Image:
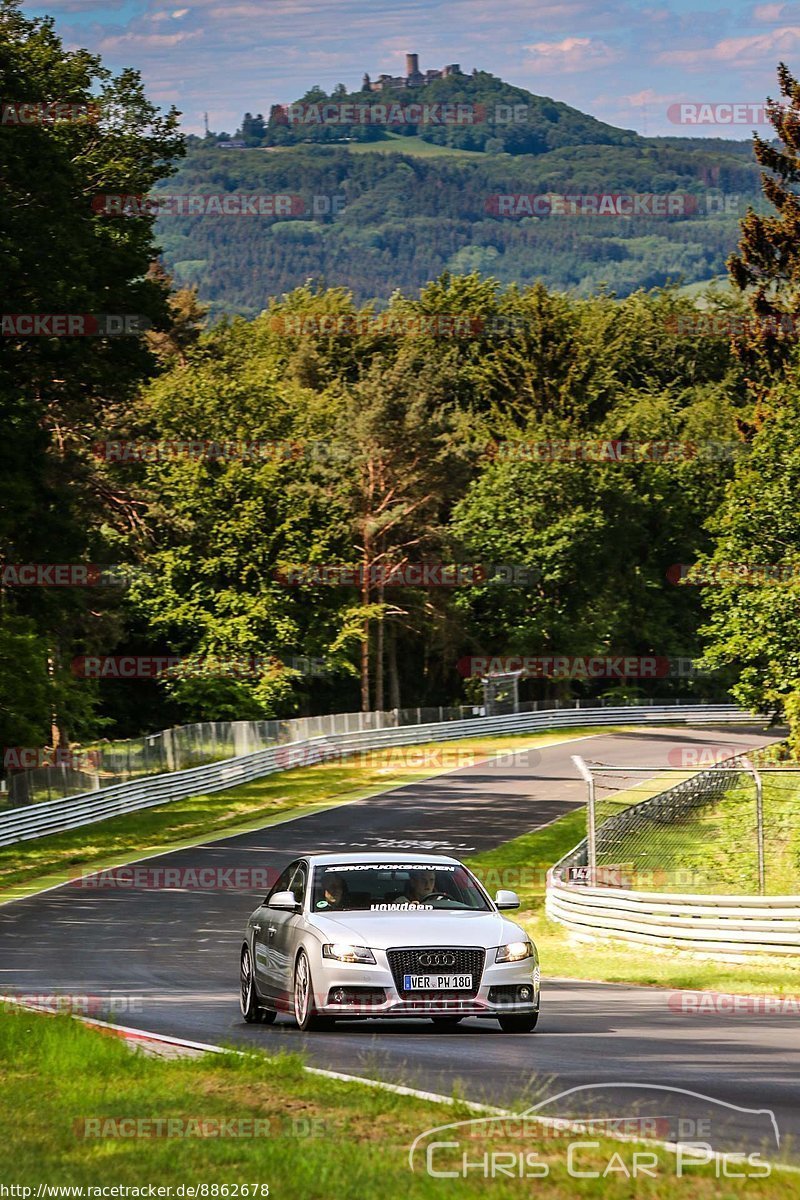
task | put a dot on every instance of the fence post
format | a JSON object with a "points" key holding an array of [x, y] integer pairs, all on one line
{"points": [[591, 850], [759, 823], [241, 737]]}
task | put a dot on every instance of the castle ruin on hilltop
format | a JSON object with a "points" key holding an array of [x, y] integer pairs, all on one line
{"points": [[412, 78]]}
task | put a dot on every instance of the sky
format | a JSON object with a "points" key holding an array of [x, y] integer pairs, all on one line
{"points": [[624, 62]]}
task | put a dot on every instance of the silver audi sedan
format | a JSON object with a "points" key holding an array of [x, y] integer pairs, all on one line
{"points": [[366, 936]]}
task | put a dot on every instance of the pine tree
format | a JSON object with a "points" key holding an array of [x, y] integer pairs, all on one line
{"points": [[767, 265]]}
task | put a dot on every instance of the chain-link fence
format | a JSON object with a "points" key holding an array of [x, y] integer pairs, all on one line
{"points": [[732, 828], [101, 764], [79, 769]]}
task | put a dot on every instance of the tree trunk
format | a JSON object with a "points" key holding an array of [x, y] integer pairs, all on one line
{"points": [[379, 688], [365, 636], [394, 678]]}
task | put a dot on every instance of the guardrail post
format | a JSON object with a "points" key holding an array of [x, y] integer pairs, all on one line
{"points": [[759, 823], [591, 849]]}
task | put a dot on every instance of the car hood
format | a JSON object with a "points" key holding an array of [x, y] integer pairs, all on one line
{"points": [[381, 930]]}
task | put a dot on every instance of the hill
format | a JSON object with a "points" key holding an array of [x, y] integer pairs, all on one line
{"points": [[476, 112], [377, 209]]}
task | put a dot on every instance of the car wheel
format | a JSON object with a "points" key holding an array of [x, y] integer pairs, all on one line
{"points": [[305, 1013], [524, 1024], [248, 1000], [447, 1022]]}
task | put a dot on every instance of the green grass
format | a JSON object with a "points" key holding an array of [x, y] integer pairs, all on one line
{"points": [[318, 1139], [395, 143], [44, 862], [521, 864]]}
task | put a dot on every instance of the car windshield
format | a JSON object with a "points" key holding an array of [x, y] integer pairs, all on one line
{"points": [[395, 886]]}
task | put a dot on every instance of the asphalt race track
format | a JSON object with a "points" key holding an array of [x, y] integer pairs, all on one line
{"points": [[173, 954]]}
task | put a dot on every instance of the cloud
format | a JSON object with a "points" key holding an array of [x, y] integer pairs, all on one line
{"points": [[168, 16], [762, 49], [647, 96], [775, 14], [54, 7], [571, 54], [151, 41]]}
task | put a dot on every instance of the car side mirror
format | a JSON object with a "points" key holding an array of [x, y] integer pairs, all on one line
{"points": [[285, 900], [506, 899]]}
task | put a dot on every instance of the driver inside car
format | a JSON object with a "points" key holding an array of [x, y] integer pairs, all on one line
{"points": [[421, 885], [334, 891]]}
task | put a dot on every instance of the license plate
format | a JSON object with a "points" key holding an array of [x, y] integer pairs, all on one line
{"points": [[437, 983]]}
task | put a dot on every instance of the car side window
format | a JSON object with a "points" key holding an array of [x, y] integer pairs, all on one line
{"points": [[282, 882], [298, 883]]}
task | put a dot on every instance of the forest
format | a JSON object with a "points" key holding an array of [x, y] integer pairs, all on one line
{"points": [[333, 501]]}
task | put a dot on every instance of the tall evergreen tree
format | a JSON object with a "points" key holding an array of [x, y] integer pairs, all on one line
{"points": [[767, 265]]}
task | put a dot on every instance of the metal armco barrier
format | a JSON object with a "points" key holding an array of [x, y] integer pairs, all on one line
{"points": [[55, 816], [706, 924]]}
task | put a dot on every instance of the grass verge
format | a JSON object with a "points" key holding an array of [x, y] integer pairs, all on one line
{"points": [[66, 1088], [522, 864], [27, 867]]}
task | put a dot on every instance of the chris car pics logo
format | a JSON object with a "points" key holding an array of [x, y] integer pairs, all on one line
{"points": [[612, 1131]]}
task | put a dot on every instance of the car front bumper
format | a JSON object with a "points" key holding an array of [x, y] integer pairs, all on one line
{"points": [[359, 991]]}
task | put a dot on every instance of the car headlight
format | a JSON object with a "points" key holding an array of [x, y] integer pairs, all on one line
{"points": [[344, 952], [514, 952]]}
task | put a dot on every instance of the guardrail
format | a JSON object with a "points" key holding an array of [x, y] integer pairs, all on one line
{"points": [[724, 925], [56, 816]]}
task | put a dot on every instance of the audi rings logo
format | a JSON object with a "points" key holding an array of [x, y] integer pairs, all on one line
{"points": [[442, 959]]}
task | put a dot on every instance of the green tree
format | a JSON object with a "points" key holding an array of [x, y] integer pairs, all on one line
{"points": [[752, 578], [63, 252], [767, 266]]}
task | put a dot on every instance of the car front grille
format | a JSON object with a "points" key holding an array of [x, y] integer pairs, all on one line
{"points": [[466, 961]]}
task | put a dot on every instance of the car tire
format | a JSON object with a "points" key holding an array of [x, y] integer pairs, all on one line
{"points": [[250, 1009], [447, 1022], [520, 1024], [305, 1012]]}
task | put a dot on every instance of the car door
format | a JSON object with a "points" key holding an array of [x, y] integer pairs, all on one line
{"points": [[287, 926], [263, 925]]}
